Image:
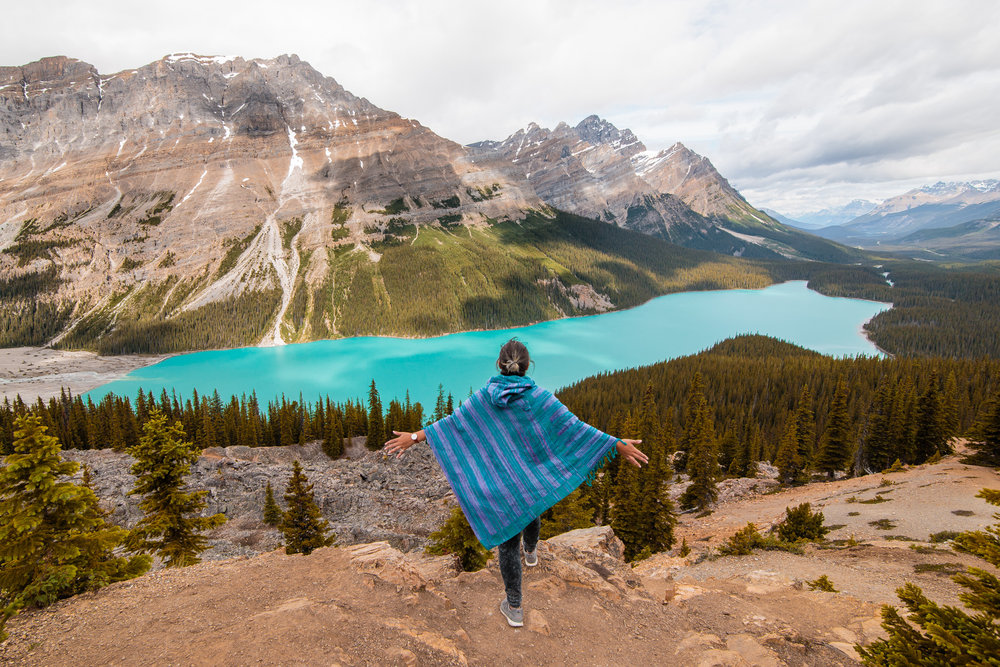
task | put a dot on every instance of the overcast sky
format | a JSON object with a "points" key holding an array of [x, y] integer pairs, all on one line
{"points": [[799, 104]]}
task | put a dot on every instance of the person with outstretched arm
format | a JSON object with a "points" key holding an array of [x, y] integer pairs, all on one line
{"points": [[510, 452]]}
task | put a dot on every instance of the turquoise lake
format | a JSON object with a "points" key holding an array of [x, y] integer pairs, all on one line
{"points": [[563, 351]]}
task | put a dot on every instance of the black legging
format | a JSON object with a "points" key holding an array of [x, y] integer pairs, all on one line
{"points": [[510, 560]]}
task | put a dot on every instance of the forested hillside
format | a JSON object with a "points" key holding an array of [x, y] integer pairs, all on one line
{"points": [[937, 311], [757, 386]]}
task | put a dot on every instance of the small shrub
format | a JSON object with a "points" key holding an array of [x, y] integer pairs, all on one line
{"points": [[886, 482], [901, 538], [897, 466], [939, 568], [455, 536], [823, 583], [685, 549], [743, 542], [748, 538], [853, 513], [943, 536], [934, 458], [883, 524], [801, 523], [924, 549], [879, 498], [852, 499]]}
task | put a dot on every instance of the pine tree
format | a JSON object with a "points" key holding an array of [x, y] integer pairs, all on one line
{"points": [[837, 447], [456, 537], [703, 458], [439, 407], [626, 511], [54, 539], [272, 512], [805, 427], [929, 434], [570, 513], [876, 450], [376, 424], [947, 635], [949, 405], [170, 526], [333, 434], [302, 524], [986, 433], [788, 461]]}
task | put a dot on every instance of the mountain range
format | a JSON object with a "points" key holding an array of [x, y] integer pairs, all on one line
{"points": [[214, 201], [826, 217], [960, 207]]}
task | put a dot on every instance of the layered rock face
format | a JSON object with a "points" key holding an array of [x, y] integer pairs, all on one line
{"points": [[599, 171], [154, 175]]}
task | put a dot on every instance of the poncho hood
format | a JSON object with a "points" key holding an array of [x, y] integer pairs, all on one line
{"points": [[505, 389]]}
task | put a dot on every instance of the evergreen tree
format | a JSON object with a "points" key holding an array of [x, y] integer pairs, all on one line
{"points": [[747, 454], [439, 405], [703, 461], [728, 446], [456, 537], [947, 635], [170, 526], [54, 539], [333, 433], [805, 427], [570, 513], [929, 434], [376, 424], [876, 451], [837, 447], [272, 512], [986, 433], [788, 461], [626, 511], [949, 405], [303, 524]]}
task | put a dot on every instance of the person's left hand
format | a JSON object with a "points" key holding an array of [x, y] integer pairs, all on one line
{"points": [[631, 453]]}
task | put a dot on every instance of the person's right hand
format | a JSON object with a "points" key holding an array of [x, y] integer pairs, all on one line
{"points": [[630, 453]]}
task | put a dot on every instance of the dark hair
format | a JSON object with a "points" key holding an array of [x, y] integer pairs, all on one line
{"points": [[513, 359]]}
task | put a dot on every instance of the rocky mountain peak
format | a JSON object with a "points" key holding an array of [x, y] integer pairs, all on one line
{"points": [[596, 130]]}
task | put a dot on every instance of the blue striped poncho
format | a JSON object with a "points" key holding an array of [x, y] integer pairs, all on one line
{"points": [[511, 451]]}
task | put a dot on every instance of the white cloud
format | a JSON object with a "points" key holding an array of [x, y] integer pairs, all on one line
{"points": [[799, 104]]}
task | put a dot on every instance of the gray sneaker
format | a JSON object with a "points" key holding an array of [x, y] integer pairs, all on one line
{"points": [[515, 617], [531, 557]]}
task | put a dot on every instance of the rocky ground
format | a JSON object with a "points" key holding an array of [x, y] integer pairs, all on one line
{"points": [[363, 496], [370, 603], [41, 372]]}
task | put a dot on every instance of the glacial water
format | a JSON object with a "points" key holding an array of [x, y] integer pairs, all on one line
{"points": [[563, 351]]}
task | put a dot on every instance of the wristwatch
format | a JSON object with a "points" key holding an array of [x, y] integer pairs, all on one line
{"points": [[413, 437]]}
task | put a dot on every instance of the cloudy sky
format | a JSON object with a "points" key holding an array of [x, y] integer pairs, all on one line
{"points": [[800, 104]]}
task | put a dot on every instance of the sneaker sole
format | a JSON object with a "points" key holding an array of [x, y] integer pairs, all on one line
{"points": [[511, 622]]}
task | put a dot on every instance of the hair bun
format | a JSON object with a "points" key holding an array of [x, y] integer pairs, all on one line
{"points": [[512, 366]]}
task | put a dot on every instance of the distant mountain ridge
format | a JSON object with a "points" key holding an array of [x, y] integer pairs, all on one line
{"points": [[826, 217], [938, 205]]}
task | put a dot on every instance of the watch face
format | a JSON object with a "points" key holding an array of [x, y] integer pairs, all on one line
{"points": [[413, 436]]}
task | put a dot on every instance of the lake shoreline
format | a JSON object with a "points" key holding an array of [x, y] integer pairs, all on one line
{"points": [[38, 372], [42, 372]]}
